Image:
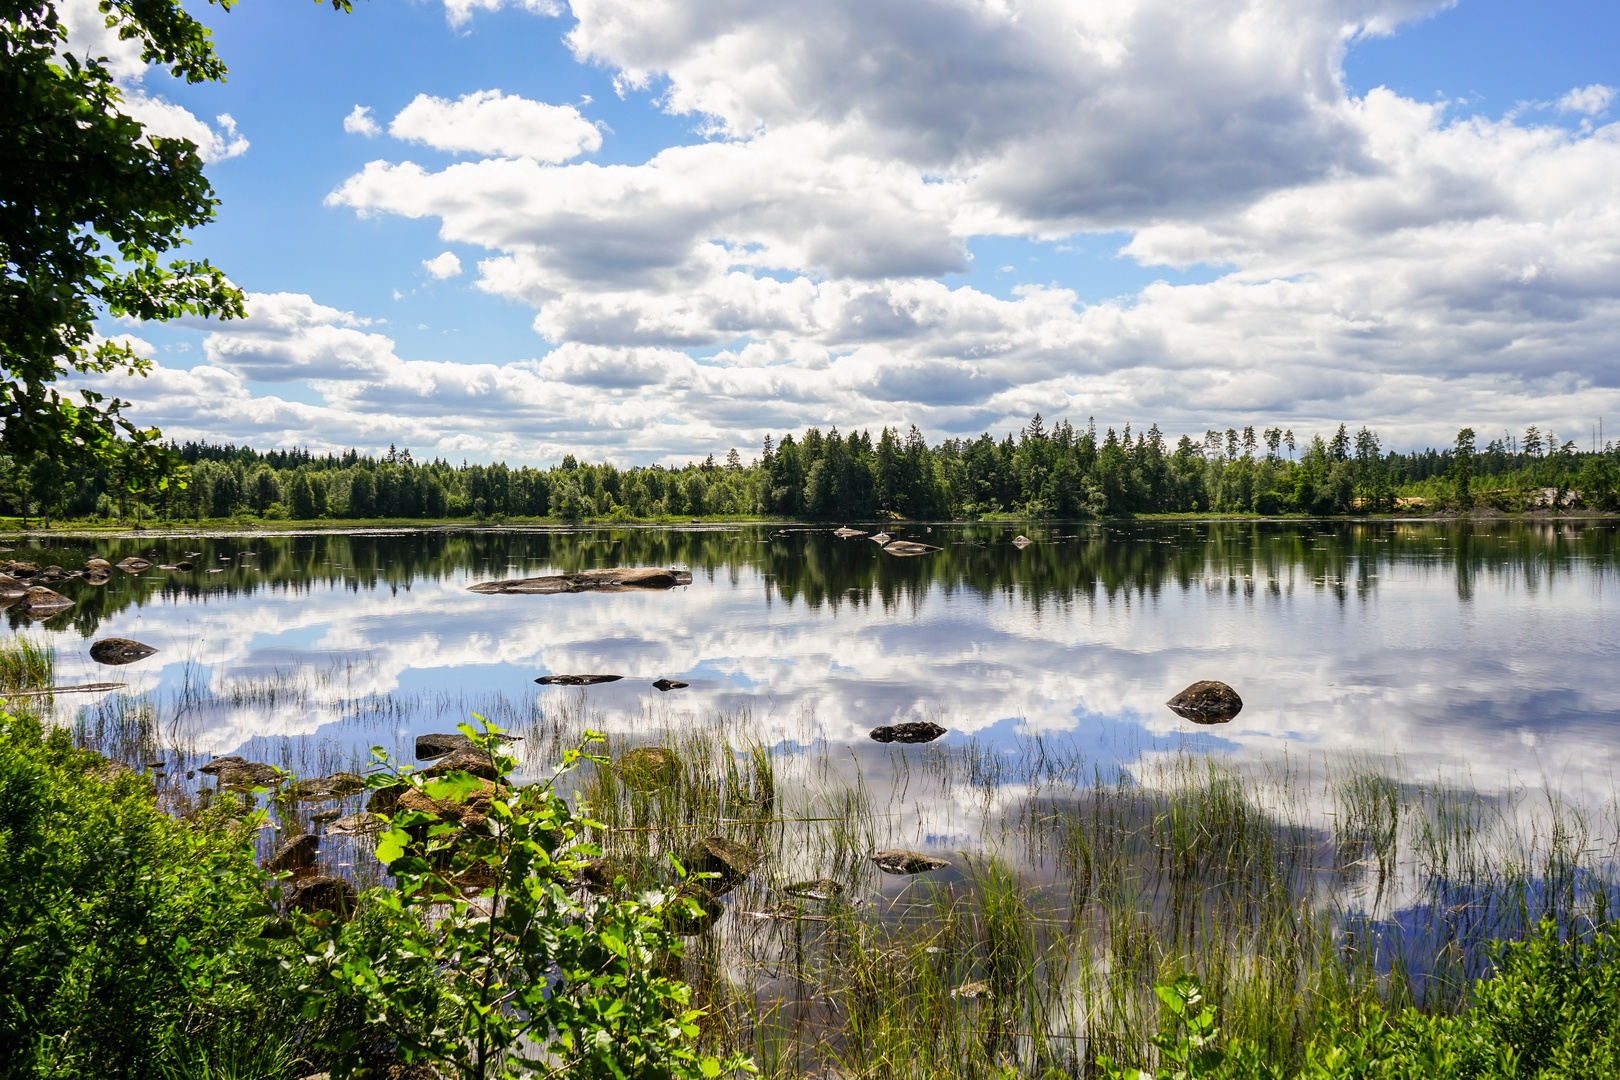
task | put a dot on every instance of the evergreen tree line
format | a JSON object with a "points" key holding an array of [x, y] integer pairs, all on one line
{"points": [[1046, 471]]}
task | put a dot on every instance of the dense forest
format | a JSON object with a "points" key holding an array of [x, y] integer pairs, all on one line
{"points": [[1046, 471]]}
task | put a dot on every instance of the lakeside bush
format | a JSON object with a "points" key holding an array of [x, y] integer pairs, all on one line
{"points": [[122, 930], [137, 945]]}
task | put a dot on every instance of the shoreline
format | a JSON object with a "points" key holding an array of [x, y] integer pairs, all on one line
{"points": [[10, 529]]}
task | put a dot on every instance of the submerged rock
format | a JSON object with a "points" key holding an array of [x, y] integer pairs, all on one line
{"points": [[325, 817], [118, 650], [336, 786], [470, 811], [846, 533], [693, 910], [881, 538], [322, 892], [648, 768], [296, 854], [899, 861], [433, 746], [185, 565], [19, 568], [1021, 541], [437, 745], [1207, 702], [384, 800], [668, 684], [716, 855], [576, 680], [246, 774], [95, 565], [220, 763], [469, 759], [819, 889], [134, 564], [913, 731], [978, 989], [907, 547], [614, 579], [597, 874], [355, 824]]}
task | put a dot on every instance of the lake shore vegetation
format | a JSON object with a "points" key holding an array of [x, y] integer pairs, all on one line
{"points": [[1059, 472]]}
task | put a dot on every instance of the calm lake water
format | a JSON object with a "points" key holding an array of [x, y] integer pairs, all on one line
{"points": [[1489, 646], [1425, 761]]}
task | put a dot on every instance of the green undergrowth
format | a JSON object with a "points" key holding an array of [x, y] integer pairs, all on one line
{"points": [[1549, 1011]]}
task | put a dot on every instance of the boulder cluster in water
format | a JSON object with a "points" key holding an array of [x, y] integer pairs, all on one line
{"points": [[26, 584]]}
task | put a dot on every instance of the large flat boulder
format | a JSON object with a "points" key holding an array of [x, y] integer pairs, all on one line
{"points": [[614, 579]]}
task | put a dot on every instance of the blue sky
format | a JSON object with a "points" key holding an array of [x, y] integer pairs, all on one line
{"points": [[950, 186]]}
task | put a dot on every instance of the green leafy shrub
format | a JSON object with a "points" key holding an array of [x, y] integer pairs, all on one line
{"points": [[494, 962], [120, 928]]}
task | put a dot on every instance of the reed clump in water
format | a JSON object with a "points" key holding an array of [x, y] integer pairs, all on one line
{"points": [[26, 665]]}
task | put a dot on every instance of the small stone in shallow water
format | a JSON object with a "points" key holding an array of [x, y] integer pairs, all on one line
{"points": [[322, 893], [973, 990], [470, 760], [1021, 541], [819, 889], [323, 816], [116, 650], [668, 684], [716, 855], [846, 533], [296, 854], [355, 824], [913, 731], [39, 602], [898, 861], [576, 680], [907, 547], [1207, 702]]}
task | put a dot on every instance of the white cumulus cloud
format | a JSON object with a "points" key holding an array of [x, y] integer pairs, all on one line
{"points": [[1590, 100], [491, 123], [442, 266], [164, 118], [460, 11], [359, 122]]}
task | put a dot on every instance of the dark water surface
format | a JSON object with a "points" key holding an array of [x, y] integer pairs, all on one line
{"points": [[1490, 645]]}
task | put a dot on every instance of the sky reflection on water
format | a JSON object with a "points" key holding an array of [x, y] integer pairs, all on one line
{"points": [[1487, 645]]}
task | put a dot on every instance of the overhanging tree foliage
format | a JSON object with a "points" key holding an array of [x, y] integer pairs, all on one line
{"points": [[91, 206]]}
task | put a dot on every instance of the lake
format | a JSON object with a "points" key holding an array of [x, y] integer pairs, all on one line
{"points": [[1424, 761], [1494, 646]]}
